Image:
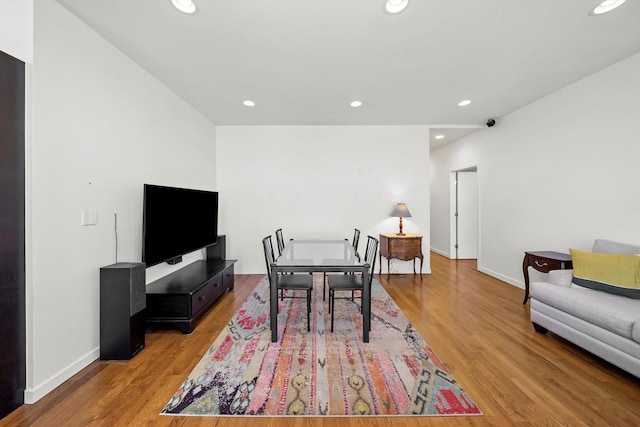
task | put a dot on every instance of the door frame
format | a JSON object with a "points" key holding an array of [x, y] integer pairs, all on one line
{"points": [[453, 210]]}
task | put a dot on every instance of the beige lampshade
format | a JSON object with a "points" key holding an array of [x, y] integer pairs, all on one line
{"points": [[401, 210]]}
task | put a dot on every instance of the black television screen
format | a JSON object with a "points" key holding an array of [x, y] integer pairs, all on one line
{"points": [[176, 221]]}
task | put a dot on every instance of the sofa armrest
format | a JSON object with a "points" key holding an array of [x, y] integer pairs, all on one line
{"points": [[561, 277]]}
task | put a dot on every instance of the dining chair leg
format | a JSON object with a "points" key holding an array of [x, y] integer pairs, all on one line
{"points": [[332, 304], [309, 310], [324, 283]]}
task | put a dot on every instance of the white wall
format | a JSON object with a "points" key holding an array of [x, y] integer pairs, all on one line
{"points": [[101, 128], [16, 28], [319, 181], [555, 174]]}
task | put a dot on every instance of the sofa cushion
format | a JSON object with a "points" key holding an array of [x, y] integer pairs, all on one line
{"points": [[587, 332], [611, 312], [611, 247], [561, 277], [613, 273]]}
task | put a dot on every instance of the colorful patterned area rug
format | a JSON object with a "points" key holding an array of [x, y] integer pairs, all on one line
{"points": [[319, 373]]}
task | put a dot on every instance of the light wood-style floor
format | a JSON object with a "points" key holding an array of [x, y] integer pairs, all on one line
{"points": [[474, 323]]}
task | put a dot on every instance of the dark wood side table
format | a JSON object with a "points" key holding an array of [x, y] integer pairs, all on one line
{"points": [[405, 247], [543, 261]]}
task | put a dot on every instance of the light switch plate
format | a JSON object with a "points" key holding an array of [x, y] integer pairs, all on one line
{"points": [[89, 217]]}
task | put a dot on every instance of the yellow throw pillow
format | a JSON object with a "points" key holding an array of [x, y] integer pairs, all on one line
{"points": [[614, 273]]}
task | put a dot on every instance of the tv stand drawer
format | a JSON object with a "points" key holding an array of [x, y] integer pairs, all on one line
{"points": [[201, 298], [227, 278]]}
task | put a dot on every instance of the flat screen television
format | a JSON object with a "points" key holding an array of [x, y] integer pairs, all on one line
{"points": [[176, 221]]}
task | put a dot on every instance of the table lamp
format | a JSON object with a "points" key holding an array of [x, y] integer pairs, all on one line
{"points": [[401, 211]]}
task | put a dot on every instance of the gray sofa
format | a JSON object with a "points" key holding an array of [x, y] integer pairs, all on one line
{"points": [[605, 324]]}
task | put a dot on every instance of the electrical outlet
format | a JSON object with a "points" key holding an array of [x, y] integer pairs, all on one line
{"points": [[89, 217]]}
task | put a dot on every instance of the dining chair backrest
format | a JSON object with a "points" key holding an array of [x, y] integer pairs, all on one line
{"points": [[370, 255], [269, 256], [280, 240], [356, 239]]}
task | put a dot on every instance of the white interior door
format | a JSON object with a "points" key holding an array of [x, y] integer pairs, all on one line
{"points": [[465, 211]]}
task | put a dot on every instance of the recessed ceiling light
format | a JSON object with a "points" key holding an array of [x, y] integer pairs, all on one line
{"points": [[356, 104], [605, 6], [396, 6], [185, 6], [463, 103], [249, 103], [438, 137]]}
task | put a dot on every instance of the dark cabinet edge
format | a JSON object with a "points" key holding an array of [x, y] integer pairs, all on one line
{"points": [[187, 282]]}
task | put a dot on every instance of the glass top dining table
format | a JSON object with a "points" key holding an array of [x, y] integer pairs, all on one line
{"points": [[319, 256]]}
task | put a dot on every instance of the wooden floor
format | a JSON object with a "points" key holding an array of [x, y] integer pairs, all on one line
{"points": [[474, 323]]}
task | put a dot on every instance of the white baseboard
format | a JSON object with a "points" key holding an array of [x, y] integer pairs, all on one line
{"points": [[439, 252], [32, 395], [501, 277]]}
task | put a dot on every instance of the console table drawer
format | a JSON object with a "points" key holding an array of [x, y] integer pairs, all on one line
{"points": [[405, 249]]}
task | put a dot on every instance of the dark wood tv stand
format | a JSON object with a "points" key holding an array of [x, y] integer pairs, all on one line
{"points": [[182, 297]]}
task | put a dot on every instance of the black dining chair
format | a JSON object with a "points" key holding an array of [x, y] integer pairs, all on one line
{"points": [[352, 282], [279, 240], [288, 283], [354, 243], [356, 240]]}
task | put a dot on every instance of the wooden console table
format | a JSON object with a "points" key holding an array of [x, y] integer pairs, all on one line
{"points": [[406, 247], [543, 261]]}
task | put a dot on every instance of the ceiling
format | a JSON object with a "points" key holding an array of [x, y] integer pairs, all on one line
{"points": [[303, 61]]}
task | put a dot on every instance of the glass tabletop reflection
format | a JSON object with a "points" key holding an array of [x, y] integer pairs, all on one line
{"points": [[324, 253]]}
